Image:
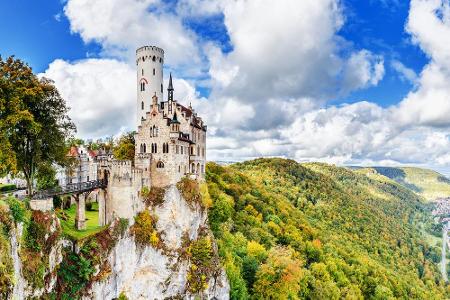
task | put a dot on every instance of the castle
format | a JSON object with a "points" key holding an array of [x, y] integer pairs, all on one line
{"points": [[170, 142]]}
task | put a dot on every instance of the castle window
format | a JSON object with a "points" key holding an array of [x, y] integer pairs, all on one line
{"points": [[142, 105], [182, 149], [154, 58], [161, 88], [145, 148], [154, 72], [142, 72], [160, 165]]}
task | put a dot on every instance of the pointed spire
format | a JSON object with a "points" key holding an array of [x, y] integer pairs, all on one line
{"points": [[170, 88]]}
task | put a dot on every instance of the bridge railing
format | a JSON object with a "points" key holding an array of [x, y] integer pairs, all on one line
{"points": [[71, 188]]}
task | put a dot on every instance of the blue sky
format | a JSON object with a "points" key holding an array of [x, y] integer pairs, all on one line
{"points": [[42, 34], [347, 82]]}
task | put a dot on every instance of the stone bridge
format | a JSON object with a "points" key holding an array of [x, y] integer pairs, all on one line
{"points": [[43, 200]]}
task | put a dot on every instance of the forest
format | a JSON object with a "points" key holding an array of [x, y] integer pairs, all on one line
{"points": [[314, 231]]}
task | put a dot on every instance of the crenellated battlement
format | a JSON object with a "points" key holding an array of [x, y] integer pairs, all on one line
{"points": [[121, 163]]}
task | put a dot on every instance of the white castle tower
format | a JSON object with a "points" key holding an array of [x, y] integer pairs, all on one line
{"points": [[149, 65]]}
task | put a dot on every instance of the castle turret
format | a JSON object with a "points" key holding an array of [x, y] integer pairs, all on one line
{"points": [[149, 64]]}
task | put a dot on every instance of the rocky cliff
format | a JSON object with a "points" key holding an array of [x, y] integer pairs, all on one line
{"points": [[166, 252]]}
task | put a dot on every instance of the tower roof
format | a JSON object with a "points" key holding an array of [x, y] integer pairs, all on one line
{"points": [[175, 119], [170, 88]]}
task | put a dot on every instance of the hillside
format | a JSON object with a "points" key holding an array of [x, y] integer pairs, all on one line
{"points": [[427, 183], [287, 230]]}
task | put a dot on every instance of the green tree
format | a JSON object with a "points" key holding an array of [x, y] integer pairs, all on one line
{"points": [[33, 120], [45, 176], [124, 150]]}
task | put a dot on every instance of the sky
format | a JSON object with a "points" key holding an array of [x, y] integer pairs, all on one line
{"points": [[346, 82]]}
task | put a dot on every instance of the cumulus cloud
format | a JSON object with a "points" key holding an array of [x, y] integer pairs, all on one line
{"points": [[269, 93], [429, 26], [121, 26], [99, 93]]}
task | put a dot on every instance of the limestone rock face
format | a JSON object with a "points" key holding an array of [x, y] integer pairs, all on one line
{"points": [[139, 272], [149, 273]]}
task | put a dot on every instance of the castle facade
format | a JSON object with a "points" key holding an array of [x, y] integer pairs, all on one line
{"points": [[170, 142], [170, 137]]}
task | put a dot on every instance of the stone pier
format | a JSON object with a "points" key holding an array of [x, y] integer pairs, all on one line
{"points": [[80, 219], [101, 198]]}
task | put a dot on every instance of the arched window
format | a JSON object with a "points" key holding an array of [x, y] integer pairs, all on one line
{"points": [[142, 72], [142, 148], [160, 165], [179, 169], [154, 72], [154, 58], [156, 148], [161, 88], [142, 105], [198, 168], [198, 150], [145, 148]]}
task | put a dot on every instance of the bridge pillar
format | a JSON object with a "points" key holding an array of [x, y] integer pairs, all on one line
{"points": [[101, 207], [80, 218]]}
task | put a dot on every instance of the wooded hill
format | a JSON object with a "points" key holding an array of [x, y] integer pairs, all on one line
{"points": [[427, 183], [314, 231]]}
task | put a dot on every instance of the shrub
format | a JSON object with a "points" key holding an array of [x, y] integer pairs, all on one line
{"points": [[6, 263], [153, 196], [122, 296], [201, 255], [144, 229], [190, 191], [37, 244], [7, 187], [17, 209], [73, 275]]}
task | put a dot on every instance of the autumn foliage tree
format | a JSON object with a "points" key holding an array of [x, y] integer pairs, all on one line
{"points": [[34, 124], [125, 148]]}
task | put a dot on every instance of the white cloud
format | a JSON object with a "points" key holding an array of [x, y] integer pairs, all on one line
{"points": [[121, 26], [429, 26], [268, 94], [406, 74], [100, 93]]}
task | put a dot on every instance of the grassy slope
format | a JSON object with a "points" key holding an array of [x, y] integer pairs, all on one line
{"points": [[68, 223], [427, 183], [357, 236]]}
